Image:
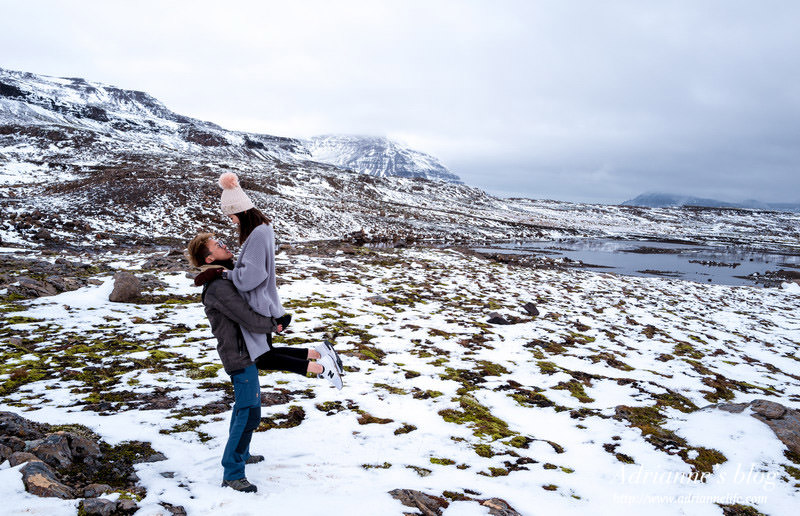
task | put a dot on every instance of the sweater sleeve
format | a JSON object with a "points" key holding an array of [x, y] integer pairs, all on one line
{"points": [[251, 271], [228, 301]]}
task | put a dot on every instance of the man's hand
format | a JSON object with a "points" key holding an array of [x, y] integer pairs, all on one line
{"points": [[208, 275]]}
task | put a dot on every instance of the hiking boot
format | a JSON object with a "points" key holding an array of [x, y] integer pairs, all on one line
{"points": [[242, 485], [326, 349], [330, 372], [254, 459]]}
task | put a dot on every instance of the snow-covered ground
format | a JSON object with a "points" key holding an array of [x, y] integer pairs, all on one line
{"points": [[435, 399]]}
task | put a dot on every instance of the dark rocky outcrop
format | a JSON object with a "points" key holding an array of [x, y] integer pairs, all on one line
{"points": [[427, 505], [127, 288], [430, 505], [41, 480], [499, 507], [531, 309], [496, 318], [71, 461]]}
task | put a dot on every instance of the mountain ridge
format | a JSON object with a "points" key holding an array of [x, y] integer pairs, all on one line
{"points": [[664, 200], [75, 102]]}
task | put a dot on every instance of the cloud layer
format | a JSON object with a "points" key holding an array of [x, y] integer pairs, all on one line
{"points": [[574, 100]]}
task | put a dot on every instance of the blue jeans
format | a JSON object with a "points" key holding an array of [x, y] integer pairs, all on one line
{"points": [[245, 418]]}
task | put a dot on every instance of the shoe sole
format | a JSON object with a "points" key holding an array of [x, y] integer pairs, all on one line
{"points": [[331, 375], [334, 356]]}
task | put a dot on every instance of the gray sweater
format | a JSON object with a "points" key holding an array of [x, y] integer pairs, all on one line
{"points": [[254, 277]]}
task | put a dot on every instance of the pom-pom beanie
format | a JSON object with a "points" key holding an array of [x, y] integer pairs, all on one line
{"points": [[234, 200]]}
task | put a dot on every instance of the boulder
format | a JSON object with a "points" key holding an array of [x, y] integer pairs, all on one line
{"points": [[95, 490], [40, 480], [126, 506], [15, 443], [20, 457], [499, 507], [496, 318], [531, 309], [785, 422], [82, 447], [126, 288], [17, 426], [53, 449], [97, 507], [175, 510], [36, 288], [428, 505], [5, 452], [379, 300]]}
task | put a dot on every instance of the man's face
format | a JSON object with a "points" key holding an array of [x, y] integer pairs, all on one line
{"points": [[217, 250]]}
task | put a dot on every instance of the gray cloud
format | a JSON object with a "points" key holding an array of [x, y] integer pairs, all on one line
{"points": [[575, 100]]}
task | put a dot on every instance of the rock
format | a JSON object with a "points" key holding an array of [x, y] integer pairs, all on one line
{"points": [[126, 506], [43, 234], [97, 506], [95, 490], [15, 341], [94, 281], [53, 449], [40, 480], [172, 261], [175, 510], [379, 300], [20, 457], [496, 318], [82, 447], [5, 452], [768, 409], [167, 474], [785, 422], [15, 443], [499, 507], [126, 288], [155, 457], [531, 309], [36, 288], [17, 426], [428, 505]]}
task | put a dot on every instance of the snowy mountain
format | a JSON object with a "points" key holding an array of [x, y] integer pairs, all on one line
{"points": [[663, 200], [86, 164], [79, 115], [377, 157]]}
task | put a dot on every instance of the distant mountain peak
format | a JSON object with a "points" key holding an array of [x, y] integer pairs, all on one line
{"points": [[377, 156], [669, 200]]}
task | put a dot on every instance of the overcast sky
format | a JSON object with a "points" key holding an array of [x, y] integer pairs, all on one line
{"points": [[574, 100]]}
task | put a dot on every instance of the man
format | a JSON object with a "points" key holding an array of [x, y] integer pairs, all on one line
{"points": [[227, 312]]}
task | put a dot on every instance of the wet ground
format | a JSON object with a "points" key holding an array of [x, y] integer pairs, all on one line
{"points": [[701, 263]]}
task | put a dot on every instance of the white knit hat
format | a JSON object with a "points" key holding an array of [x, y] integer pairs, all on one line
{"points": [[234, 200]]}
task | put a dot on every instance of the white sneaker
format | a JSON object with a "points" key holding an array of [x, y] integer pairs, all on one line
{"points": [[330, 372], [326, 349]]}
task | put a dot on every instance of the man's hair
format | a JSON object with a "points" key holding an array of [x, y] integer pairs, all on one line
{"points": [[198, 249], [250, 220]]}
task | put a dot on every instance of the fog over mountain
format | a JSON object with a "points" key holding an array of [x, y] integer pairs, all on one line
{"points": [[663, 200]]}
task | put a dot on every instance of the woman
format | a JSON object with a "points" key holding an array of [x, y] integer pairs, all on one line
{"points": [[254, 278]]}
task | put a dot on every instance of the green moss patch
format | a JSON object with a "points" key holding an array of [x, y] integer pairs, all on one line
{"points": [[478, 417], [575, 389]]}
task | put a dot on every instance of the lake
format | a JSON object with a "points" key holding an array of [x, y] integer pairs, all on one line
{"points": [[701, 263]]}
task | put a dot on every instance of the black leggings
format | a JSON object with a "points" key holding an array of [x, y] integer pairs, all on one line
{"points": [[294, 360]]}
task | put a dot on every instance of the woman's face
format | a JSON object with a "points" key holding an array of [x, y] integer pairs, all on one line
{"points": [[235, 219]]}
